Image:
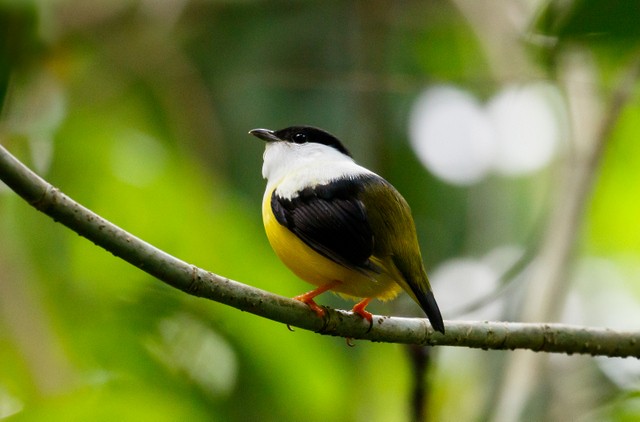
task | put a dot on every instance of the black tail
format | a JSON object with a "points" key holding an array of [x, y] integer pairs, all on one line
{"points": [[430, 307]]}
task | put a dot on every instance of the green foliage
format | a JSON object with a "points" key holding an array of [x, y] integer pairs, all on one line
{"points": [[609, 232], [588, 20]]}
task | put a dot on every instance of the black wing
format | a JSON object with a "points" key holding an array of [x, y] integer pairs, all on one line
{"points": [[331, 220]]}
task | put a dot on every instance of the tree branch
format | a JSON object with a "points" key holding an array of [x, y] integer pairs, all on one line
{"points": [[198, 282]]}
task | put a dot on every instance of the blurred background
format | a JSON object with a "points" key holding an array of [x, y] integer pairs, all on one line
{"points": [[510, 126]]}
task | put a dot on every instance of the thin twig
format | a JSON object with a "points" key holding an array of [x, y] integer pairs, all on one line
{"points": [[549, 282], [190, 279]]}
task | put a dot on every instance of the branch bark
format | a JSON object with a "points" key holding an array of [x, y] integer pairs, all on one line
{"points": [[195, 281]]}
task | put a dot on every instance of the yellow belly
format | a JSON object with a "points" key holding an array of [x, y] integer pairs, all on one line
{"points": [[314, 268]]}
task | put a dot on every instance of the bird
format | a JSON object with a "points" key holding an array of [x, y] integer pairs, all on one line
{"points": [[338, 225]]}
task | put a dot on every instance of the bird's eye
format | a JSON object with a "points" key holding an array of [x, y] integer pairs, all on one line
{"points": [[299, 138]]}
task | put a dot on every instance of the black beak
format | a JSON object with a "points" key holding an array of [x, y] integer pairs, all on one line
{"points": [[265, 134]]}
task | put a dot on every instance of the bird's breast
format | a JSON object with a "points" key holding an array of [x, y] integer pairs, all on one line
{"points": [[317, 269]]}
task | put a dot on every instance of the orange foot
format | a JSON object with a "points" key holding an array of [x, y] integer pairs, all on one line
{"points": [[359, 309], [308, 297], [313, 305]]}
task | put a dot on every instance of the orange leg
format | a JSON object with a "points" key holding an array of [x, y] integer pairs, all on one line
{"points": [[308, 297], [359, 309]]}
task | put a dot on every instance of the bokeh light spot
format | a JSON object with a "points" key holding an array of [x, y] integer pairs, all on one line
{"points": [[452, 135], [526, 128], [461, 141]]}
